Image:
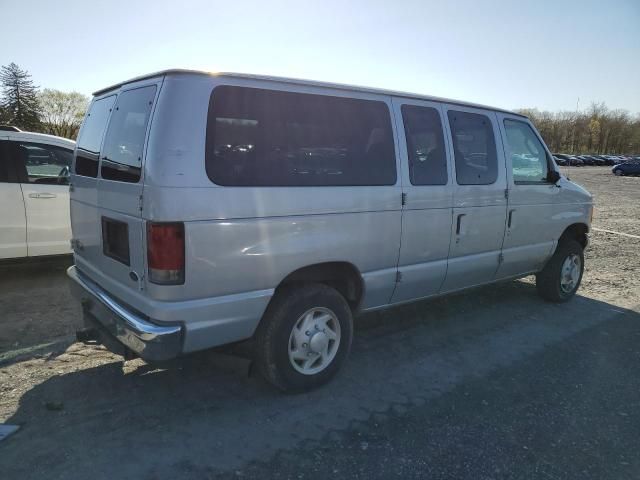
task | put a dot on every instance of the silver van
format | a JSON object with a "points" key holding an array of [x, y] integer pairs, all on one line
{"points": [[212, 208]]}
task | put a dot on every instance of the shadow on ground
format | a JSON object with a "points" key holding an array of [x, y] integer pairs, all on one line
{"points": [[202, 415]]}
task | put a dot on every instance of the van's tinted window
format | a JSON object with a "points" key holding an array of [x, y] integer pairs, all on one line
{"points": [[91, 135], [261, 137], [528, 156], [474, 148], [122, 151], [425, 145]]}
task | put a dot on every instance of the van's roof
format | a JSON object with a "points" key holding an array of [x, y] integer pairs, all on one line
{"points": [[297, 81]]}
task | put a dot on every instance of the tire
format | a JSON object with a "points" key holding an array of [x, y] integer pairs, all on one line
{"points": [[555, 282], [276, 342], [618, 173]]}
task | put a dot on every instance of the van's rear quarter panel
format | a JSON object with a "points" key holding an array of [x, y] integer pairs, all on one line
{"points": [[247, 239], [254, 254]]}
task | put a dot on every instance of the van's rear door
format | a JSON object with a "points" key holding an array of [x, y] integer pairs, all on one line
{"points": [[107, 183]]}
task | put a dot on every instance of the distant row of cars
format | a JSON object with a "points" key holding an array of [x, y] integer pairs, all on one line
{"points": [[595, 160]]}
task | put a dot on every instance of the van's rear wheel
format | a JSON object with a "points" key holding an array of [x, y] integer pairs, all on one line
{"points": [[304, 337], [561, 276]]}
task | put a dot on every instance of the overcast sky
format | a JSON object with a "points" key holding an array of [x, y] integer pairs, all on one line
{"points": [[545, 53]]}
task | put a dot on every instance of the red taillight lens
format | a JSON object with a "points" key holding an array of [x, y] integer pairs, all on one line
{"points": [[165, 253]]}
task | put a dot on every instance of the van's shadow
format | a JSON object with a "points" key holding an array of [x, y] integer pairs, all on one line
{"points": [[209, 397]]}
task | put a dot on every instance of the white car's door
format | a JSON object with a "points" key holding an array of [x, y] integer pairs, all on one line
{"points": [[13, 223], [44, 172]]}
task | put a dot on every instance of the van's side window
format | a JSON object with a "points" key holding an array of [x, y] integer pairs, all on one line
{"points": [[425, 145], [529, 162], [474, 148], [259, 137], [90, 138]]}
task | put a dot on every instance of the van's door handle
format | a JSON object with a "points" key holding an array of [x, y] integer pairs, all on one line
{"points": [[459, 222], [510, 218], [42, 195]]}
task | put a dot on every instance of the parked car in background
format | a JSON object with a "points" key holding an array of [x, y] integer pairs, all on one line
{"points": [[210, 209], [596, 160], [586, 159], [560, 161], [34, 194], [606, 159], [632, 167]]}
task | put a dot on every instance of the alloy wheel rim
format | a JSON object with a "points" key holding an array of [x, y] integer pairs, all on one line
{"points": [[314, 341], [570, 273]]}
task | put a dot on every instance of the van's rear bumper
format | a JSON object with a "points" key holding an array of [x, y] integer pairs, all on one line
{"points": [[150, 341]]}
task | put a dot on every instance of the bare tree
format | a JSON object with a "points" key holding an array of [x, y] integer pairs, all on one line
{"points": [[62, 112], [596, 130]]}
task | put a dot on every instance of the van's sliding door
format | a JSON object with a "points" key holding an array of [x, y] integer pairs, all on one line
{"points": [[479, 198], [427, 184]]}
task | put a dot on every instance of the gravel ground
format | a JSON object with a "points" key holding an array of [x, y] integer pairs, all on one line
{"points": [[493, 383], [36, 305]]}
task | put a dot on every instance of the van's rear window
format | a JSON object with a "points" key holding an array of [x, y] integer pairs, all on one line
{"points": [[123, 144], [90, 138], [259, 137]]}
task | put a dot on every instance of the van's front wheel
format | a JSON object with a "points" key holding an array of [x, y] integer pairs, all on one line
{"points": [[561, 277], [304, 337]]}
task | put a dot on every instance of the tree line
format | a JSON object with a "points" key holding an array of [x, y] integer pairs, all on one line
{"points": [[596, 130], [24, 105]]}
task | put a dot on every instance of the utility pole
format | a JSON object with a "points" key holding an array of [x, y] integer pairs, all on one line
{"points": [[573, 129]]}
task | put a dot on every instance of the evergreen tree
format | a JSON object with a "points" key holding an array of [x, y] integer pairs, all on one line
{"points": [[19, 103]]}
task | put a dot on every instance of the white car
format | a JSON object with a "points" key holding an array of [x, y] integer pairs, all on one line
{"points": [[34, 194]]}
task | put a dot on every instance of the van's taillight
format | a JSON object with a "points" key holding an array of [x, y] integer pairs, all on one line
{"points": [[165, 253]]}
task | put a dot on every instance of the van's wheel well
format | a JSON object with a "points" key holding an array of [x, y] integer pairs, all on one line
{"points": [[577, 232], [342, 276]]}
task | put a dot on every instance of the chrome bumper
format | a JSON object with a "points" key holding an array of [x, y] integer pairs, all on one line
{"points": [[150, 341]]}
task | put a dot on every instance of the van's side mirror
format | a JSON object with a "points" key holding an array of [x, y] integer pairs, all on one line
{"points": [[553, 176]]}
